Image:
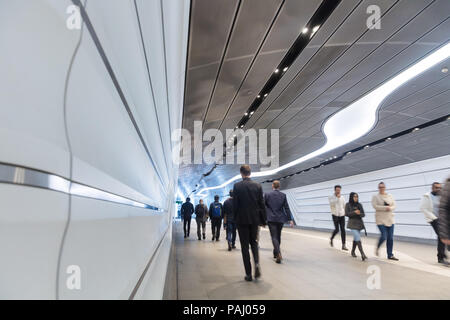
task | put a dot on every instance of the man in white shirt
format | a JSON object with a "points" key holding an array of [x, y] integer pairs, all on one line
{"points": [[430, 208], [337, 207]]}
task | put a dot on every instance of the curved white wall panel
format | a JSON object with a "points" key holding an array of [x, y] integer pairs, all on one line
{"points": [[110, 152], [407, 183], [32, 223], [36, 49]]}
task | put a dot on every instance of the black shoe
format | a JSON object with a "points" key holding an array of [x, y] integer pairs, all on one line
{"points": [[331, 242], [199, 238], [248, 278], [257, 272], [377, 253], [233, 246], [344, 247], [217, 239], [392, 258], [185, 236], [229, 246], [212, 239], [204, 237], [444, 262]]}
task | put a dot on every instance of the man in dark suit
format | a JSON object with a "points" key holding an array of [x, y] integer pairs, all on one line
{"points": [[249, 213], [187, 209], [278, 213]]}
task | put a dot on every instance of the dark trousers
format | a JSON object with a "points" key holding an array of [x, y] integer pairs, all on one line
{"points": [[201, 225], [187, 226], [231, 232], [216, 223], [387, 234], [275, 233], [339, 222], [440, 246], [247, 237]]}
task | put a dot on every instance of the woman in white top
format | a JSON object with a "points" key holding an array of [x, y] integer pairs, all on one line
{"points": [[384, 205]]}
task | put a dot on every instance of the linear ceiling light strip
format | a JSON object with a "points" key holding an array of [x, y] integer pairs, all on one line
{"points": [[19, 175], [336, 130]]}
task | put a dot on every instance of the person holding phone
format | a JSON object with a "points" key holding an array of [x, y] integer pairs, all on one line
{"points": [[384, 205], [355, 212]]}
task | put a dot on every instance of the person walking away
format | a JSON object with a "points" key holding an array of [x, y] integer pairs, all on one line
{"points": [[278, 213], [249, 213], [216, 215], [444, 214], [355, 212], [201, 214], [384, 205], [187, 209], [337, 207], [430, 208], [228, 221]]}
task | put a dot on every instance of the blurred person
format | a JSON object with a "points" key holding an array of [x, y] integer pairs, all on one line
{"points": [[444, 213], [355, 212], [228, 221], [187, 209], [278, 213], [249, 213], [430, 208], [201, 215], [337, 207], [384, 205], [216, 215]]}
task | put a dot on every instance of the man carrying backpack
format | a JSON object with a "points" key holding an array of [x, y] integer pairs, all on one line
{"points": [[216, 215]]}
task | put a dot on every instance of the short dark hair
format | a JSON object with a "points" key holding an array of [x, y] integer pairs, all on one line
{"points": [[435, 183], [337, 186], [276, 184], [231, 193], [188, 199], [216, 197], [245, 170], [381, 183]]}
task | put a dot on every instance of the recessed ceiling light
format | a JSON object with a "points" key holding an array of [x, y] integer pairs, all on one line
{"points": [[388, 139], [265, 95], [277, 70], [242, 126], [258, 96], [246, 114], [305, 30], [252, 112], [285, 69], [349, 152], [314, 30], [416, 129], [366, 147], [444, 70]]}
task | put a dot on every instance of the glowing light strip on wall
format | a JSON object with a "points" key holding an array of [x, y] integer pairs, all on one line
{"points": [[19, 175], [336, 128]]}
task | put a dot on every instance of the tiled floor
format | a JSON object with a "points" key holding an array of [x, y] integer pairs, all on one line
{"points": [[311, 269]]}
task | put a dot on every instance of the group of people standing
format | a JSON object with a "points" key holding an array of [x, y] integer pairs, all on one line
{"points": [[246, 210]]}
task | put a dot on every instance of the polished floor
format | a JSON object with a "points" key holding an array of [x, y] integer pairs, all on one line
{"points": [[311, 269]]}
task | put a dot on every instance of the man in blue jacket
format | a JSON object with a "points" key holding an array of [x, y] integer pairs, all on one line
{"points": [[187, 209], [278, 213], [216, 215]]}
